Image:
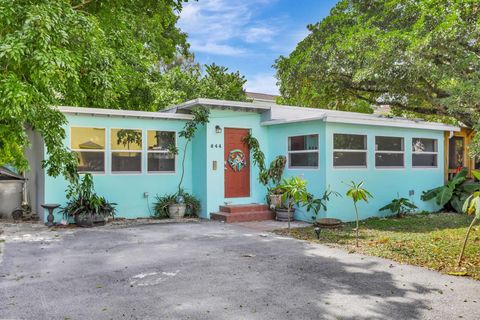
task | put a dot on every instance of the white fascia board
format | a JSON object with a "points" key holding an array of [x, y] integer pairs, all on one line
{"points": [[222, 104], [123, 113], [285, 121], [392, 122]]}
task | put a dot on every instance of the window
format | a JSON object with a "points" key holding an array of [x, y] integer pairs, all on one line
{"points": [[160, 159], [303, 151], [389, 152], [126, 145], [349, 150], [424, 153], [89, 146]]}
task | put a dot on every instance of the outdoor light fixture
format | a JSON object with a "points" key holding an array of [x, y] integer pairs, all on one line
{"points": [[218, 129], [317, 231]]}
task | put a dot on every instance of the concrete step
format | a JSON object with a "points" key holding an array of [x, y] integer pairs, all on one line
{"points": [[229, 217], [241, 208]]}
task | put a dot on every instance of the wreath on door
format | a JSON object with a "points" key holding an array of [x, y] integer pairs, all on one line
{"points": [[237, 160]]}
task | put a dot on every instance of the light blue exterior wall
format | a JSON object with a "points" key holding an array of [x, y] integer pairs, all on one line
{"points": [[127, 190], [278, 145], [383, 183], [215, 178], [207, 184]]}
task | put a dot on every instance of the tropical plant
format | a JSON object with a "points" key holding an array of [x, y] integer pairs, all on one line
{"points": [[162, 203], [471, 206], [272, 176], [454, 193], [83, 202], [294, 193], [258, 157], [399, 206], [317, 204], [200, 117], [357, 193]]}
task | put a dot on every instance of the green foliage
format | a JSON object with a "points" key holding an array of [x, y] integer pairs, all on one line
{"points": [[399, 206], [162, 203], [471, 207], [84, 202], [419, 57], [258, 157], [276, 168], [118, 54], [431, 241], [200, 118], [454, 193], [317, 204], [356, 192], [294, 191], [274, 172]]}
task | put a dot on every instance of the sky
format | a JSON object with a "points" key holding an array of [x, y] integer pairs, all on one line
{"points": [[248, 35]]}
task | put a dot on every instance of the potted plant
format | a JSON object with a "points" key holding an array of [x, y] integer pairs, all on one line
{"points": [[270, 177], [176, 204], [294, 193], [84, 206], [168, 206], [317, 204]]}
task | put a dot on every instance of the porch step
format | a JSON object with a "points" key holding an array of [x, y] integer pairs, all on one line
{"points": [[240, 208], [243, 213]]}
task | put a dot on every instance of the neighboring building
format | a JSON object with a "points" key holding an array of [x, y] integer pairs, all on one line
{"points": [[262, 97], [394, 156]]}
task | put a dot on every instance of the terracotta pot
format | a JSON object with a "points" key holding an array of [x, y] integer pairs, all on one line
{"points": [[282, 214], [177, 211]]}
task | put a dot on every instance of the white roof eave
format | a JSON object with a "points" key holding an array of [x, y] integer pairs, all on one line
{"points": [[391, 122], [123, 113]]}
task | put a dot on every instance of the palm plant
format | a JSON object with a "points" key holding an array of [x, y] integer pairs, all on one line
{"points": [[357, 193], [471, 206]]}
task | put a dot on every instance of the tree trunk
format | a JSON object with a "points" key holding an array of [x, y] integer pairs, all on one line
{"points": [[465, 242], [288, 218], [183, 166], [356, 231]]}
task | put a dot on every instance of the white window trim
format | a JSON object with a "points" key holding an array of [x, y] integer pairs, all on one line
{"points": [[425, 152], [104, 150], [303, 151], [141, 151], [390, 152], [161, 151], [349, 150]]}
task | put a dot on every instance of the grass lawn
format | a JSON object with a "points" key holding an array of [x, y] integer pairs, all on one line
{"points": [[432, 241]]}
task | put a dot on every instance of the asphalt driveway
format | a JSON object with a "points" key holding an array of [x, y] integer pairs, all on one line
{"points": [[210, 270]]}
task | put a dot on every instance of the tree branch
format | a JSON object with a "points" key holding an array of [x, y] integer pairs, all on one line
{"points": [[81, 5]]}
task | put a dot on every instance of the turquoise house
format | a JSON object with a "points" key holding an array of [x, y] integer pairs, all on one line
{"points": [[126, 151]]}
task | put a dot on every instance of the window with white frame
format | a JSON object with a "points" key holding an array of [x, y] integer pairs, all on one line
{"points": [[424, 153], [303, 151], [126, 147], [159, 156], [89, 146], [389, 152], [349, 150]]}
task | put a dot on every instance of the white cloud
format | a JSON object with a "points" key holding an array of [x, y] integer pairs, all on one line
{"points": [[263, 83], [215, 48], [225, 25]]}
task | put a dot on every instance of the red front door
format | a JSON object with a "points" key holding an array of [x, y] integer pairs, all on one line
{"points": [[237, 164]]}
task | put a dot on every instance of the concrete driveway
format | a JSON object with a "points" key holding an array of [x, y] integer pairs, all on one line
{"points": [[210, 270]]}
